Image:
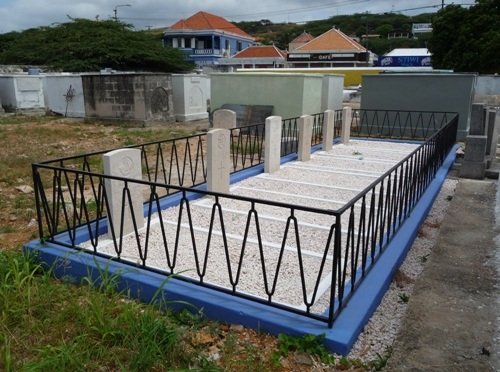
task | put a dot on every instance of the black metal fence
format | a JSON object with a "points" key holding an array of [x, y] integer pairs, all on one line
{"points": [[269, 237]]}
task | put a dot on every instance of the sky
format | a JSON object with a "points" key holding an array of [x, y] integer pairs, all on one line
{"points": [[19, 15]]}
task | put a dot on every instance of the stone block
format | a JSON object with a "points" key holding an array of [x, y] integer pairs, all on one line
{"points": [[273, 144], [125, 163], [328, 130], [473, 169], [493, 132], [345, 134], [475, 148], [477, 123], [305, 124], [224, 119], [218, 160]]}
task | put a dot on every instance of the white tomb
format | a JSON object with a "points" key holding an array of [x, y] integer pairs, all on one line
{"points": [[63, 94], [190, 96], [21, 92]]}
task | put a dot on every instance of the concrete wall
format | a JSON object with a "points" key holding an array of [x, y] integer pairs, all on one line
{"points": [[132, 99], [421, 92], [488, 90], [190, 96], [20, 92], [292, 95], [333, 92], [64, 94]]}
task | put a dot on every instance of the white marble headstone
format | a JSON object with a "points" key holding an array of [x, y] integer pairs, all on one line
{"points": [[124, 163], [218, 163]]}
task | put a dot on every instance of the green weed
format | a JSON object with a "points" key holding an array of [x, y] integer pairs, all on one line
{"points": [[312, 344]]}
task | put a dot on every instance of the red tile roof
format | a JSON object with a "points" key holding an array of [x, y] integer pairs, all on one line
{"points": [[207, 21], [302, 38], [331, 40], [261, 51]]}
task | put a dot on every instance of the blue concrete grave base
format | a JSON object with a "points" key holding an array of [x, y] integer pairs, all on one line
{"points": [[149, 287]]}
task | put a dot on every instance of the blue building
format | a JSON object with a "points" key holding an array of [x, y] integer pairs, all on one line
{"points": [[206, 38]]}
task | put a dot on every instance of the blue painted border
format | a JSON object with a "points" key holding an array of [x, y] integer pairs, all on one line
{"points": [[143, 284]]}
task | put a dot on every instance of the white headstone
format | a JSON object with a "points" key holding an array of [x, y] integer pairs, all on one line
{"points": [[218, 156], [224, 119], [328, 129], [305, 137], [124, 163], [345, 135], [272, 155]]}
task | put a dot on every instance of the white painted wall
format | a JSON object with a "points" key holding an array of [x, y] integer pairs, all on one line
{"points": [[64, 94]]}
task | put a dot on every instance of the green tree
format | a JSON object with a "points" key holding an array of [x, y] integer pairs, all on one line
{"points": [[384, 29], [87, 45], [467, 40]]}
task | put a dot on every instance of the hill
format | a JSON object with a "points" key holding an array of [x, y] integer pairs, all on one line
{"points": [[281, 34]]}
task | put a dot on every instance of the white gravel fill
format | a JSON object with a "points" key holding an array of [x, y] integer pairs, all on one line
{"points": [[327, 181]]}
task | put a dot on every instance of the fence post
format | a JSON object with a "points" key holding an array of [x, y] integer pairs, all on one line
{"points": [[272, 154], [345, 135], [124, 163], [224, 119], [328, 129], [218, 157], [305, 136]]}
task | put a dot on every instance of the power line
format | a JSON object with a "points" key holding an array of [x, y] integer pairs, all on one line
{"points": [[296, 10]]}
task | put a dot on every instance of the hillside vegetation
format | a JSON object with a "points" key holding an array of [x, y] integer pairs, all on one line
{"points": [[281, 34]]}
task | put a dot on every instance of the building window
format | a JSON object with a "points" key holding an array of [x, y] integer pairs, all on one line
{"points": [[240, 46]]}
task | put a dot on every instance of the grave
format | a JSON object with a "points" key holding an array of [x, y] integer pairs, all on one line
{"points": [[218, 157], [332, 94], [124, 163], [224, 119], [291, 95], [305, 125], [190, 97], [431, 92], [142, 100], [247, 114], [63, 94], [272, 156], [21, 92]]}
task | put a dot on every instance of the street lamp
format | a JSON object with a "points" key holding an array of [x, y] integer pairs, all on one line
{"points": [[115, 10]]}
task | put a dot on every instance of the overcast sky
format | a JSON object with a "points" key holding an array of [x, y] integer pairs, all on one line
{"points": [[18, 15]]}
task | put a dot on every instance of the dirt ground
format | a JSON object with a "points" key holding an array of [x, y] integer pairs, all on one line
{"points": [[452, 320], [16, 223]]}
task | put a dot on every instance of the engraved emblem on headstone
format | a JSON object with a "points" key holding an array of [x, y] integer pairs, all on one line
{"points": [[127, 167], [221, 141]]}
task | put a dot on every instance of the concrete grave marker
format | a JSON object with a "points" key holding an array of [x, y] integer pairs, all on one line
{"points": [[345, 134], [218, 156], [224, 119], [305, 136], [328, 129], [272, 154], [124, 163]]}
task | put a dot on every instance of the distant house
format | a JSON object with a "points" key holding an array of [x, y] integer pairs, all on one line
{"points": [[257, 56], [206, 38], [331, 49], [406, 57], [300, 40]]}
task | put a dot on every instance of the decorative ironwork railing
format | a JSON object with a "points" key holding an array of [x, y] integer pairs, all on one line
{"points": [[73, 208]]}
